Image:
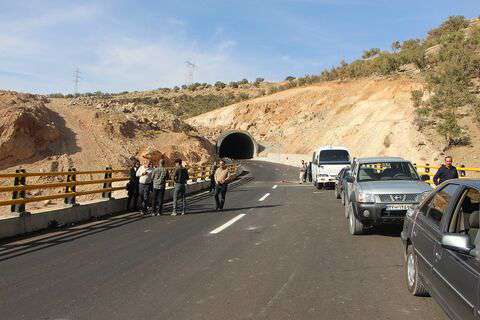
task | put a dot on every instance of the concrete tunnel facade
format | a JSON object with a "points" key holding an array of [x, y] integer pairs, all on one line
{"points": [[236, 144]]}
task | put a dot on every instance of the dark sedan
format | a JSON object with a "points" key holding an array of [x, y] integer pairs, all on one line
{"points": [[441, 255], [340, 183]]}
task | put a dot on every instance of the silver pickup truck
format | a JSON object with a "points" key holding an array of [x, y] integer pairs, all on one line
{"points": [[380, 191]]}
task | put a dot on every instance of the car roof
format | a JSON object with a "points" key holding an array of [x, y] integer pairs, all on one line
{"points": [[473, 183], [380, 159], [330, 148]]}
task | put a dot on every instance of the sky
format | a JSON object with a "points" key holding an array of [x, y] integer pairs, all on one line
{"points": [[141, 45]]}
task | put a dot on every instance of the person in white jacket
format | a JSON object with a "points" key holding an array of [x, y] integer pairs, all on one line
{"points": [[144, 173]]}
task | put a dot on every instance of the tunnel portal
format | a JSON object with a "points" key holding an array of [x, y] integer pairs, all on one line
{"points": [[236, 145]]}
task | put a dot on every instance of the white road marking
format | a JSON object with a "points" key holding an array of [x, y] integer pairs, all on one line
{"points": [[264, 197], [274, 187], [227, 224]]}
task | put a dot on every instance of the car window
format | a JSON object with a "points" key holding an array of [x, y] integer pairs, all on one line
{"points": [[465, 219], [440, 202]]}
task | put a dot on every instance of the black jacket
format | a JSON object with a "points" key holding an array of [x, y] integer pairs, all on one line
{"points": [[444, 174], [132, 185], [180, 175]]}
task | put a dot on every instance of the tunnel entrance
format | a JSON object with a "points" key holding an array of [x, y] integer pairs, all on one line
{"points": [[236, 145]]}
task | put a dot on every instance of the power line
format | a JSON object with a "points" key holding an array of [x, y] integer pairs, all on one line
{"points": [[190, 72], [76, 79]]}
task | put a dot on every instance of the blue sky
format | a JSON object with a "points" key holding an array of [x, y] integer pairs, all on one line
{"points": [[137, 45]]}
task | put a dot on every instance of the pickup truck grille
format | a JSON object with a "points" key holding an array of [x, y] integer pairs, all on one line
{"points": [[398, 198]]}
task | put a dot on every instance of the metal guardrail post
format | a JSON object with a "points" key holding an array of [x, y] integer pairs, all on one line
{"points": [[19, 181], [106, 185], [427, 169], [462, 173], [71, 177]]}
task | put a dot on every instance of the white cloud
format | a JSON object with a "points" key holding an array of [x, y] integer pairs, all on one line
{"points": [[51, 17], [133, 64]]}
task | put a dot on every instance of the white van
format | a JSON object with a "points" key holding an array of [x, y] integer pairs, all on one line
{"points": [[327, 161]]}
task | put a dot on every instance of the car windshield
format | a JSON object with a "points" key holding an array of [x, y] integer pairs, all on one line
{"points": [[334, 156], [383, 171]]}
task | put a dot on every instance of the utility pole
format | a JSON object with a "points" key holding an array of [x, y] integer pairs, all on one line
{"points": [[190, 72], [76, 79]]}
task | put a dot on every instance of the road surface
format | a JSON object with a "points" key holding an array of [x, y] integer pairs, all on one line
{"points": [[280, 251]]}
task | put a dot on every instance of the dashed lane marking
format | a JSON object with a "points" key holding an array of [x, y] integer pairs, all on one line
{"points": [[227, 224], [275, 187], [264, 197]]}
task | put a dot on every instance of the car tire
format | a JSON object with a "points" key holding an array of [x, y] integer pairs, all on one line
{"points": [[354, 225], [414, 282], [319, 186], [337, 194]]}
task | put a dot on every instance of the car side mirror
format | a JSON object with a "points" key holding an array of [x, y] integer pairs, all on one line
{"points": [[350, 179], [425, 177], [457, 242]]}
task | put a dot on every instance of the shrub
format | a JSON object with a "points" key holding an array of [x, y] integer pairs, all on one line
{"points": [[289, 78], [243, 81], [367, 54], [233, 84], [219, 85], [417, 96]]}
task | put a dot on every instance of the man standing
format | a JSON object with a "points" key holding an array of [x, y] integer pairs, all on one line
{"points": [[159, 177], [222, 178], [446, 172], [144, 173], [180, 178], [213, 169], [303, 169], [132, 187]]}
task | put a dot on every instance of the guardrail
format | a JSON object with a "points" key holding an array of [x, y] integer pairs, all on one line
{"points": [[462, 171], [21, 185]]}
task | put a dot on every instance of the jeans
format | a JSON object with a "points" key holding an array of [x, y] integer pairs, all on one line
{"points": [[158, 200], [144, 191], [220, 190], [212, 183], [132, 201], [179, 191]]}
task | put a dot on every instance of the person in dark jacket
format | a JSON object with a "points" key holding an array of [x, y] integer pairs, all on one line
{"points": [[213, 168], [132, 187], [446, 172], [180, 178], [159, 179]]}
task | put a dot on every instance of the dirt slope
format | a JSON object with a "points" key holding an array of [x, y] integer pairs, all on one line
{"points": [[372, 117]]}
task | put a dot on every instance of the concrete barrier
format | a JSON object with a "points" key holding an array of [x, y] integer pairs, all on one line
{"points": [[68, 214]]}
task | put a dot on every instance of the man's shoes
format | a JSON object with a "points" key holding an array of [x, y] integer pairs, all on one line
{"points": [[174, 213]]}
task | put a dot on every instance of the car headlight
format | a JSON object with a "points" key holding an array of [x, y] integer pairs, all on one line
{"points": [[365, 197]]}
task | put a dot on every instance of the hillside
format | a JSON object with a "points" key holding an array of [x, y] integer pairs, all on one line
{"points": [[184, 102], [369, 116]]}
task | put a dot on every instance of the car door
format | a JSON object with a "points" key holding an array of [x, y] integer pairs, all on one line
{"points": [[456, 276], [348, 185], [427, 231]]}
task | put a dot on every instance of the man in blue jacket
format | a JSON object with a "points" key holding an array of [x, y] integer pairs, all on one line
{"points": [[446, 172]]}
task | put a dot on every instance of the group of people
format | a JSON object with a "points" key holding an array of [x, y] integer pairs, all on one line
{"points": [[305, 172], [147, 185]]}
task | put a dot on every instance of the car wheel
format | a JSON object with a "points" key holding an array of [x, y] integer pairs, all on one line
{"points": [[337, 194], [354, 225], [319, 186], [414, 281]]}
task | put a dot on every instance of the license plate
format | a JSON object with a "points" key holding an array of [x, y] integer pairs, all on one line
{"points": [[398, 207]]}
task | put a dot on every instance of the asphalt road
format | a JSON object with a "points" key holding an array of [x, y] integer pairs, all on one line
{"points": [[288, 257]]}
